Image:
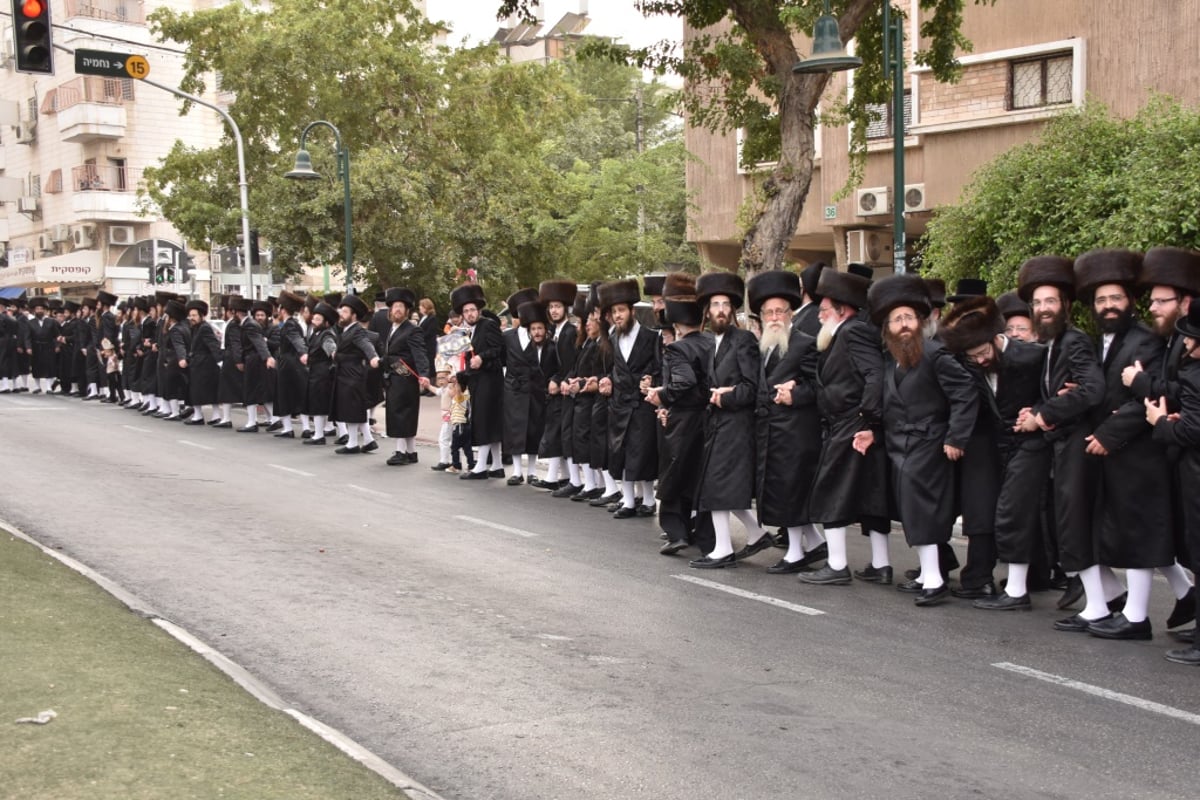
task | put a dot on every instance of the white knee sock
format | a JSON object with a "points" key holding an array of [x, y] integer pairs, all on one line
{"points": [[554, 469], [723, 545], [931, 571], [627, 494], [197, 413], [400, 445], [44, 383], [318, 426], [352, 435], [251, 415], [531, 465], [836, 538], [91, 390], [226, 410], [879, 550], [304, 423], [1138, 603], [341, 429], [812, 536], [270, 407], [364, 433], [1093, 589], [589, 479], [1018, 575], [647, 492], [481, 456], [497, 455], [173, 405], [573, 472], [1113, 588], [754, 531], [610, 483], [518, 469], [795, 550], [1178, 580], [287, 424]]}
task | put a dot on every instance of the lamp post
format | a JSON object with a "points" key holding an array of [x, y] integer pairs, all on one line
{"points": [[830, 56], [303, 170]]}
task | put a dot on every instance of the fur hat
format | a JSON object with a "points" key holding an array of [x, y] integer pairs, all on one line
{"points": [[1011, 305], [197, 305], [652, 285], [846, 288], [175, 310], [774, 283], [580, 307], [290, 302], [263, 306], [55, 303], [1097, 267], [333, 298], [1046, 271], [356, 305], [139, 303], [968, 287], [810, 277], [895, 291], [467, 293], [106, 298], [400, 295], [519, 298], [327, 312], [558, 291], [87, 302], [530, 313], [937, 291], [38, 301], [718, 282], [971, 322], [1172, 266], [72, 306], [239, 303], [683, 310], [679, 284], [617, 292]]}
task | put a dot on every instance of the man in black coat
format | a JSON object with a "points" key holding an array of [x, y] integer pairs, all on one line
{"points": [[291, 372], [104, 327], [484, 379], [530, 361], [173, 356], [204, 363], [23, 377], [355, 356], [789, 425], [929, 408], [43, 343], [431, 329], [404, 374], [84, 331], [1134, 514], [556, 445], [8, 346], [1072, 386], [632, 434], [1003, 471], [257, 360]]}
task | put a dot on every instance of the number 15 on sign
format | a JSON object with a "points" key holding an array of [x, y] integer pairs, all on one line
{"points": [[137, 67]]}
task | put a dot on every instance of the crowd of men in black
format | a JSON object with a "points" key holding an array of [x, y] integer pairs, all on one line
{"points": [[837, 400]]}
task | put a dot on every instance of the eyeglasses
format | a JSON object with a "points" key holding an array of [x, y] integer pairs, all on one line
{"points": [[1162, 301], [899, 319], [771, 313]]}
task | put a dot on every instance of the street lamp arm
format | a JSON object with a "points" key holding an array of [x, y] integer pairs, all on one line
{"points": [[304, 170]]}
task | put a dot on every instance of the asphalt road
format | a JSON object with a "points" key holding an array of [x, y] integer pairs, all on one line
{"points": [[497, 643]]}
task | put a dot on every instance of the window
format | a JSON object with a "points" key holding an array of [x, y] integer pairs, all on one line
{"points": [[54, 182], [35, 185], [880, 126], [116, 167], [1039, 82]]}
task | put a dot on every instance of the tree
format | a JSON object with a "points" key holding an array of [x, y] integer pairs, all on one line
{"points": [[739, 75], [1091, 181]]}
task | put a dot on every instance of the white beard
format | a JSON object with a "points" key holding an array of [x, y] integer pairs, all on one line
{"points": [[775, 335], [825, 335]]}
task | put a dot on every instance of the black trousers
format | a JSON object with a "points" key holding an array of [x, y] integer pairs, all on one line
{"points": [[460, 439], [114, 386]]}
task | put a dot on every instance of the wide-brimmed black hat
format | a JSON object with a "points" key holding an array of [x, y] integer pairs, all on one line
{"points": [[175, 310], [529, 313], [861, 270], [1189, 325], [774, 283], [937, 291], [398, 294], [616, 292], [1096, 268], [711, 284], [1011, 305], [239, 303], [356, 306], [197, 305], [106, 298], [1046, 271], [844, 287], [311, 301], [968, 287], [519, 298], [579, 307], [327, 312], [652, 285], [1172, 266], [72, 306], [138, 303], [970, 322], [558, 291], [895, 291], [810, 278], [263, 306], [683, 311], [38, 301], [290, 302], [467, 293]]}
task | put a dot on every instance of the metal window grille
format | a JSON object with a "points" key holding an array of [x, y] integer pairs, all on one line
{"points": [[1040, 82], [880, 126]]}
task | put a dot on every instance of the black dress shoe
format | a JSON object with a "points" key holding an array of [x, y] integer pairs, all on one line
{"points": [[671, 548], [186, 411], [274, 426], [1072, 594], [496, 473], [912, 574], [162, 415], [704, 562], [872, 574], [1185, 609], [346, 450], [473, 476], [815, 556], [1076, 623], [317, 440], [439, 467], [911, 587], [584, 497], [1187, 637], [398, 459], [412, 458], [286, 435], [1004, 602], [538, 483], [975, 593], [827, 576], [222, 425], [193, 421], [215, 421], [371, 447], [345, 437], [605, 500], [764, 542], [570, 490], [248, 429], [515, 480], [625, 513], [644, 510], [306, 435], [785, 567], [615, 505], [931, 597], [1187, 655], [1118, 602], [1119, 627]]}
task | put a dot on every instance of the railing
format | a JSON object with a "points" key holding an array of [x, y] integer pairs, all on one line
{"points": [[130, 11], [104, 178], [88, 89]]}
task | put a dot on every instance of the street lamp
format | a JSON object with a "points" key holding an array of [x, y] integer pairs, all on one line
{"points": [[829, 56], [303, 170]]}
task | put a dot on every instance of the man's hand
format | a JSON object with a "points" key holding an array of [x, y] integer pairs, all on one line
{"points": [[1026, 421], [1067, 388], [1094, 448], [652, 397], [953, 453], [645, 383], [783, 393], [183, 363], [304, 359], [270, 362], [717, 393], [241, 367], [476, 362], [1129, 373], [663, 415], [552, 388], [375, 362], [1156, 410], [605, 385], [423, 381], [863, 441]]}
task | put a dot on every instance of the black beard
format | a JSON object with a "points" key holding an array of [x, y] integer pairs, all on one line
{"points": [[627, 326], [1049, 331], [907, 351], [1122, 322], [718, 326]]}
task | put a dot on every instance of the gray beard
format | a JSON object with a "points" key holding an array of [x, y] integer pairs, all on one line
{"points": [[774, 337], [825, 335]]}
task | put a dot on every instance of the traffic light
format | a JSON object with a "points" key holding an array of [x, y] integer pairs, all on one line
{"points": [[252, 250], [31, 30]]}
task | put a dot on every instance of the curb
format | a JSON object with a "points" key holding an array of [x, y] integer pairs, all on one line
{"points": [[238, 674]]}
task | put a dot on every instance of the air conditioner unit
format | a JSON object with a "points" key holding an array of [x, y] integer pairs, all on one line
{"points": [[121, 235], [45, 243], [914, 197], [26, 132], [28, 204], [84, 236], [870, 202], [60, 233], [873, 248]]}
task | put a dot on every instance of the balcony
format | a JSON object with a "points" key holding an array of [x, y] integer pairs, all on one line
{"points": [[105, 193], [127, 11], [90, 108]]}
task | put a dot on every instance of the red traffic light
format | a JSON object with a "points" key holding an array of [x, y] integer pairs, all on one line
{"points": [[32, 9], [31, 31]]}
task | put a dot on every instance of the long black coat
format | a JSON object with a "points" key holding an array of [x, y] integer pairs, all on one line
{"points": [[581, 403], [807, 320], [560, 410], [1072, 359], [65, 360], [1184, 434], [318, 398], [729, 465], [43, 339], [354, 354], [257, 388], [685, 396], [486, 384], [131, 335], [147, 382], [404, 344], [291, 379], [204, 366], [931, 405], [231, 386], [632, 436], [8, 345], [849, 486], [430, 330], [79, 344], [104, 326], [177, 342], [1135, 521], [526, 376], [789, 436]]}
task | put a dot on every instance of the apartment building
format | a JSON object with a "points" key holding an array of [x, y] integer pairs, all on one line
{"points": [[1031, 60]]}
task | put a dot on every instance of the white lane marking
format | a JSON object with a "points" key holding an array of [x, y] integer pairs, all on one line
{"points": [[139, 430], [365, 490], [1098, 691], [496, 526], [299, 472], [762, 598], [193, 444]]}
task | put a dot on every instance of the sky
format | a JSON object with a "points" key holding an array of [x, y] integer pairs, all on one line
{"points": [[476, 19]]}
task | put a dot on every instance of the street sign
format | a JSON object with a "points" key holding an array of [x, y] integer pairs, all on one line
{"points": [[111, 65]]}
